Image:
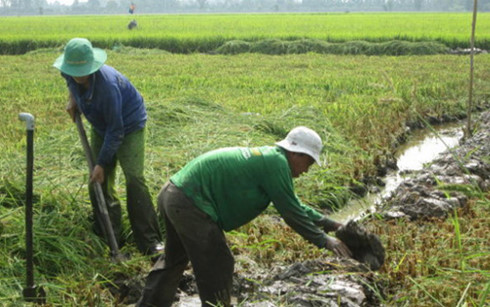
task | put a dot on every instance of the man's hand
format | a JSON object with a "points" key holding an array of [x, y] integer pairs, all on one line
{"points": [[338, 247], [328, 225], [71, 107], [97, 174]]}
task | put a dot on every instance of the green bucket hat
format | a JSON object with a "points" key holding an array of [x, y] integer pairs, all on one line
{"points": [[80, 58]]}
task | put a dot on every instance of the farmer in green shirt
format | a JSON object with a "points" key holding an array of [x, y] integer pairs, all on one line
{"points": [[222, 190]]}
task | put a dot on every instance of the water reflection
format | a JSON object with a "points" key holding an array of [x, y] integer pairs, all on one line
{"points": [[423, 147]]}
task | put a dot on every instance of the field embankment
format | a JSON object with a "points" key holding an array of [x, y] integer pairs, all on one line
{"points": [[207, 33]]}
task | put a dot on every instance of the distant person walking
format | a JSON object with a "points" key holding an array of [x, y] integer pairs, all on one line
{"points": [[117, 114], [132, 7], [220, 191]]}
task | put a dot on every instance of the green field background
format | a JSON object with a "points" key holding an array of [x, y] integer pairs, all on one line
{"points": [[190, 33], [359, 104], [196, 102]]}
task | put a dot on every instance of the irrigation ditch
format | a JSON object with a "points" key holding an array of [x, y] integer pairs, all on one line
{"points": [[433, 169]]}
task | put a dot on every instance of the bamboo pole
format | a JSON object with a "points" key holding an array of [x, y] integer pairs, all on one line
{"points": [[472, 53]]}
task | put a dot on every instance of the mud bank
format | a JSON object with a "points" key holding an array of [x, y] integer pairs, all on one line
{"points": [[340, 282], [424, 193], [333, 281]]}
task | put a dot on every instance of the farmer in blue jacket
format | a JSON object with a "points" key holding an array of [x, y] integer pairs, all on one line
{"points": [[220, 191], [117, 114]]}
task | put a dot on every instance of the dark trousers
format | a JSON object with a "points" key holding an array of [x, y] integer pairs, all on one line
{"points": [[141, 212], [191, 235]]}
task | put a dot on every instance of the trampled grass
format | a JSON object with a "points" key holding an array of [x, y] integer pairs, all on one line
{"points": [[197, 103], [439, 263], [204, 33], [359, 104]]}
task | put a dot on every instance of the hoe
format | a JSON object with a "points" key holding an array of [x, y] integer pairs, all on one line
{"points": [[103, 215]]}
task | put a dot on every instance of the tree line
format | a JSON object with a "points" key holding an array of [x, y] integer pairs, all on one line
{"points": [[42, 7]]}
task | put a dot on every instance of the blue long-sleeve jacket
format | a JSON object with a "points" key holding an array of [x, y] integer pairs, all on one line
{"points": [[112, 105]]}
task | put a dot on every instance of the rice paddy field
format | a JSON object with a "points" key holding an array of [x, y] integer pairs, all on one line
{"points": [[198, 101], [204, 33]]}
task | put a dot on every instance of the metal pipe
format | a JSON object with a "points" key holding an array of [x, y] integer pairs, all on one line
{"points": [[29, 119], [30, 292]]}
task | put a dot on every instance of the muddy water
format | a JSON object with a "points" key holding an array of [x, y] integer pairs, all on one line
{"points": [[422, 147], [189, 301]]}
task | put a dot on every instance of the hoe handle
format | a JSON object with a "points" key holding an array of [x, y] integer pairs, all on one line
{"points": [[103, 217]]}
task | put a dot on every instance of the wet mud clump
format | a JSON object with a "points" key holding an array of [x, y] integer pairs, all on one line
{"points": [[366, 247], [320, 282]]}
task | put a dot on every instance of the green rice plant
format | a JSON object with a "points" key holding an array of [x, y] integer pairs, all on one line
{"points": [[308, 45], [457, 238], [234, 47], [463, 296], [438, 262], [277, 46], [358, 110], [354, 47], [199, 102], [207, 32], [270, 46], [435, 300], [483, 296]]}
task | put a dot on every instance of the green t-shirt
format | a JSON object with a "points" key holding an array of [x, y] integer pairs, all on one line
{"points": [[234, 185]]}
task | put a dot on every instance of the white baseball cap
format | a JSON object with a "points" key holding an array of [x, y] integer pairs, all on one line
{"points": [[303, 140]]}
